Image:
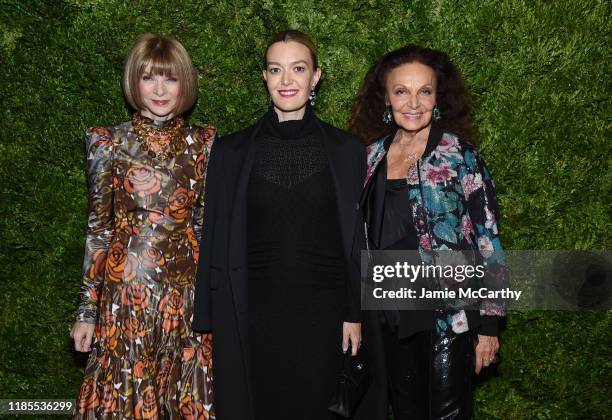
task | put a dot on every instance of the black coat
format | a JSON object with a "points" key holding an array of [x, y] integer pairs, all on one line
{"points": [[221, 287]]}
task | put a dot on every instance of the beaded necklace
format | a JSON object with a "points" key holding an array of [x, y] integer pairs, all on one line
{"points": [[159, 142]]}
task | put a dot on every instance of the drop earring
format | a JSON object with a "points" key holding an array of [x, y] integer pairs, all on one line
{"points": [[435, 113], [387, 116], [313, 96]]}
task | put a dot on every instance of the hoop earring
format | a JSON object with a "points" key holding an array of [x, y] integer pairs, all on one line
{"points": [[313, 96], [436, 115], [387, 115]]}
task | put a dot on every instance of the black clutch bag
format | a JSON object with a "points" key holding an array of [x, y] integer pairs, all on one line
{"points": [[353, 381]]}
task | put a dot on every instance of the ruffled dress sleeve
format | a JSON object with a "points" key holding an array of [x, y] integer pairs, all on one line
{"points": [[100, 230]]}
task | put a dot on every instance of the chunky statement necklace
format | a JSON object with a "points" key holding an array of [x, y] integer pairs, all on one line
{"points": [[159, 142]]}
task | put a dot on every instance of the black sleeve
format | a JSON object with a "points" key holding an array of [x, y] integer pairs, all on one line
{"points": [[353, 298], [489, 325]]}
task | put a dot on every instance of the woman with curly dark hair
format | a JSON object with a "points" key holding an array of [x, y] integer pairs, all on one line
{"points": [[428, 190]]}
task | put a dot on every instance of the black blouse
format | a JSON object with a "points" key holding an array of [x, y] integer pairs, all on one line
{"points": [[397, 229], [398, 233]]}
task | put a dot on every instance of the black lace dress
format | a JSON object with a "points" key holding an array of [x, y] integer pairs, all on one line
{"points": [[297, 273]]}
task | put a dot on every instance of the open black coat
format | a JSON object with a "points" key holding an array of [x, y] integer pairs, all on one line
{"points": [[221, 287]]}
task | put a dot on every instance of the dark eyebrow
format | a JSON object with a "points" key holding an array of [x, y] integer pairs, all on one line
{"points": [[428, 85], [293, 64]]}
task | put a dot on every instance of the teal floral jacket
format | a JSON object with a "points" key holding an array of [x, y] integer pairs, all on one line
{"points": [[454, 207]]}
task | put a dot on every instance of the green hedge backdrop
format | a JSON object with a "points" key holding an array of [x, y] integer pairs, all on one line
{"points": [[540, 74]]}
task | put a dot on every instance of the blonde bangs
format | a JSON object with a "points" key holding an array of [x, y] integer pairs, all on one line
{"points": [[163, 56], [162, 63]]}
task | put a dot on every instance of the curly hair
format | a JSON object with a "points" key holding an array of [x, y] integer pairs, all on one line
{"points": [[452, 98]]}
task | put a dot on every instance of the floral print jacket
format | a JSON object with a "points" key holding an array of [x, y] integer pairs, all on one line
{"points": [[454, 207]]}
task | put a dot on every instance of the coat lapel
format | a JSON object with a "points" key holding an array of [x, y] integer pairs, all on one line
{"points": [[238, 218], [238, 242], [343, 168], [372, 199], [373, 203], [375, 153]]}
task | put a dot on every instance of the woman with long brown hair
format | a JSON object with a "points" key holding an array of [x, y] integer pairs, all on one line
{"points": [[428, 189]]}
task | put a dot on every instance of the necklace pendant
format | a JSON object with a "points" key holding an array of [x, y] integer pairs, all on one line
{"points": [[165, 141]]}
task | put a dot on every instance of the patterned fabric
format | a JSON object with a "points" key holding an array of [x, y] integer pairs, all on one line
{"points": [[454, 207], [141, 253]]}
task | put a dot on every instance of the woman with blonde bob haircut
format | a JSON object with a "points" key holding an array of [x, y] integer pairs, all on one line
{"points": [[146, 198], [167, 57]]}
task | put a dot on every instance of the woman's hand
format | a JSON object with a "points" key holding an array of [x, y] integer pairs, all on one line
{"points": [[486, 349], [351, 332], [82, 332]]}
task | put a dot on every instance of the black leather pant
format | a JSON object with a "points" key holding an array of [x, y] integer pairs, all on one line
{"points": [[430, 377]]}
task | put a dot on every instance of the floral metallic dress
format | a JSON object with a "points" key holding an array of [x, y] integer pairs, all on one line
{"points": [[146, 184]]}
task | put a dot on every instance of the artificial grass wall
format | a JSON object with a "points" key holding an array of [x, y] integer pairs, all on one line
{"points": [[540, 74]]}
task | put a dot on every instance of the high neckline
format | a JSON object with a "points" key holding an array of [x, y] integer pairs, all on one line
{"points": [[292, 129], [177, 120], [159, 139]]}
